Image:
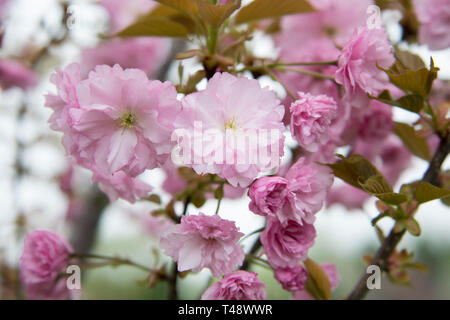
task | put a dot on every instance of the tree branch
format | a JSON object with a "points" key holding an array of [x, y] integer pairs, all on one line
{"points": [[394, 238]]}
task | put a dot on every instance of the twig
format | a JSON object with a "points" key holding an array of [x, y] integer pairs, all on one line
{"points": [[394, 238]]}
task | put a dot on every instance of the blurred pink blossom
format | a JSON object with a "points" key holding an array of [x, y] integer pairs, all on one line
{"points": [[434, 18], [202, 241], [292, 279], [123, 13], [44, 257], [311, 117], [286, 246], [145, 53], [239, 285], [360, 59], [15, 74]]}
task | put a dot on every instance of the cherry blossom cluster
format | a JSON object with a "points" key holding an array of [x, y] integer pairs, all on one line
{"points": [[118, 122]]}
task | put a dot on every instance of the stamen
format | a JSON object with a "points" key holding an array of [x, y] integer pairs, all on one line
{"points": [[128, 120]]}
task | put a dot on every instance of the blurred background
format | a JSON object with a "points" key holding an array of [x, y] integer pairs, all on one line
{"points": [[35, 174]]}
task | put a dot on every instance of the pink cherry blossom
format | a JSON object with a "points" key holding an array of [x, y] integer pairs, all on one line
{"points": [[297, 196], [359, 62], [145, 53], [292, 279], [15, 74], [124, 121], [268, 195], [287, 246], [334, 20], [314, 51], [121, 185], [308, 186], [332, 273], [66, 82], [45, 255], [395, 159], [377, 125], [239, 285], [348, 196], [153, 225], [173, 182], [202, 241], [434, 18], [227, 110], [311, 117]]}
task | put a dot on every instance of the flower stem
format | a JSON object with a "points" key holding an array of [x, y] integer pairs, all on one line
{"points": [[310, 73], [275, 78], [219, 201], [306, 64], [112, 261]]}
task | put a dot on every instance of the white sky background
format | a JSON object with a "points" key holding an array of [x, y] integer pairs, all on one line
{"points": [[44, 204]]}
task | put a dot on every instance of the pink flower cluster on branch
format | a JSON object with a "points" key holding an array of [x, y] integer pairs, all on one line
{"points": [[116, 122], [42, 266], [202, 241]]}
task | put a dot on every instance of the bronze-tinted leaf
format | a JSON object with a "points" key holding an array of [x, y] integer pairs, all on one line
{"points": [[215, 15], [317, 284], [187, 54], [262, 9], [412, 81], [360, 173], [155, 27], [412, 102], [186, 6]]}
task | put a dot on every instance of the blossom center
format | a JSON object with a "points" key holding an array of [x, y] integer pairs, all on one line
{"points": [[231, 123], [330, 31], [128, 120]]}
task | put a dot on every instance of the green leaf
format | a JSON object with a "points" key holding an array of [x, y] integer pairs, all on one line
{"points": [[156, 27], [415, 143], [412, 226], [317, 284], [412, 81], [392, 198], [412, 102], [378, 186], [446, 201], [192, 82], [360, 173], [426, 192], [198, 199], [408, 60], [262, 9], [354, 169], [215, 15], [154, 198], [219, 193], [187, 54]]}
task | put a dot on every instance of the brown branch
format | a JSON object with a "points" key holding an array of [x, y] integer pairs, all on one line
{"points": [[393, 239]]}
